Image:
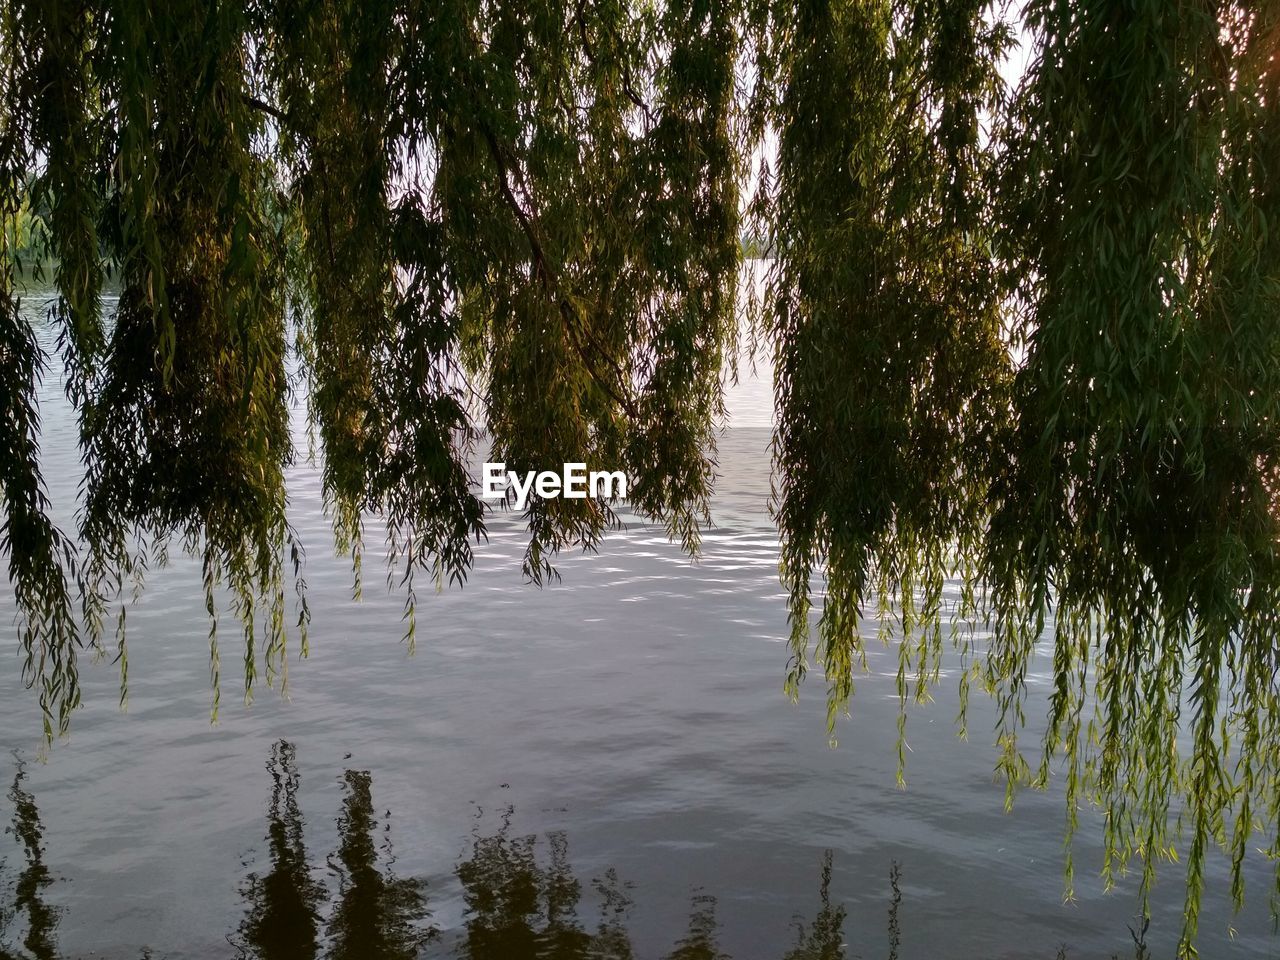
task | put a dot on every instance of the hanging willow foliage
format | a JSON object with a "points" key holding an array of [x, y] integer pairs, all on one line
{"points": [[1024, 337], [892, 373], [1135, 514]]}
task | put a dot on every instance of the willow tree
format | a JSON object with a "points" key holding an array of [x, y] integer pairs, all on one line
{"points": [[1024, 335]]}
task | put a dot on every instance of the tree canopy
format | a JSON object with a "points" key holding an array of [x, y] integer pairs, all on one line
{"points": [[1025, 332]]}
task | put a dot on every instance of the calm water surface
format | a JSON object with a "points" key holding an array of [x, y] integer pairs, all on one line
{"points": [[606, 767]]}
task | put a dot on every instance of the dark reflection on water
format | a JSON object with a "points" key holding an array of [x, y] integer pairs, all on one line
{"points": [[521, 893], [517, 907], [700, 944], [24, 898], [283, 917], [374, 916], [824, 939], [378, 916]]}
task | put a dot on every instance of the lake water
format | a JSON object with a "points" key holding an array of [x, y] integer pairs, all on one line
{"points": [[605, 767]]}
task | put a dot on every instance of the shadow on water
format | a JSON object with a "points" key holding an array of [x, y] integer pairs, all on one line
{"points": [[522, 897]]}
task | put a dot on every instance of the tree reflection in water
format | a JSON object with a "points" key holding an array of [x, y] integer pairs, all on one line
{"points": [[700, 942], [522, 896], [824, 939], [375, 915], [24, 905], [282, 922], [378, 915], [517, 908]]}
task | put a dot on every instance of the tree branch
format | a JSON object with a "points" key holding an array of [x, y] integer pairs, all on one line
{"points": [[263, 107]]}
